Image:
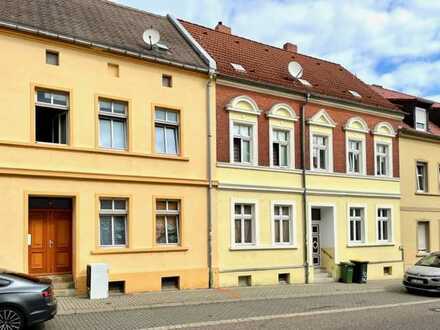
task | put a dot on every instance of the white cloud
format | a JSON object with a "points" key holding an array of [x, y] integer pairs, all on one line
{"points": [[360, 35]]}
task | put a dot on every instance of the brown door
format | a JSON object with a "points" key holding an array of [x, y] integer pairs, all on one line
{"points": [[50, 249]]}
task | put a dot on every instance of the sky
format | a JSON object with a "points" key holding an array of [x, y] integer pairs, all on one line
{"points": [[393, 43]]}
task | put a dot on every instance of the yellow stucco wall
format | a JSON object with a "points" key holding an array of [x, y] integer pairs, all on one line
{"points": [[29, 169], [415, 206]]}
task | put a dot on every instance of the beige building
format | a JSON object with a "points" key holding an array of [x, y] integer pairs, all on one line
{"points": [[419, 150]]}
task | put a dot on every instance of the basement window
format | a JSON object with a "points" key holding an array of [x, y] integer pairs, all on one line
{"points": [[52, 58], [51, 117], [284, 278], [171, 283], [388, 271], [244, 280], [116, 287]]}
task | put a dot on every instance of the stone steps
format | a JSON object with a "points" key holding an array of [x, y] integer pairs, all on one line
{"points": [[63, 285], [321, 276]]}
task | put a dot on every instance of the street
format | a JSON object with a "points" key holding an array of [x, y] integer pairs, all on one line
{"points": [[393, 309]]}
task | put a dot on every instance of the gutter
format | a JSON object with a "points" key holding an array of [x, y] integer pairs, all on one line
{"points": [[91, 44], [391, 112], [212, 75], [304, 186], [412, 133], [194, 44]]}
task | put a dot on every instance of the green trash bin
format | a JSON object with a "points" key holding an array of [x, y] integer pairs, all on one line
{"points": [[347, 269], [360, 274]]}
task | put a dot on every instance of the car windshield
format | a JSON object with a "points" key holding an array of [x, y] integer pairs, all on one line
{"points": [[429, 261]]}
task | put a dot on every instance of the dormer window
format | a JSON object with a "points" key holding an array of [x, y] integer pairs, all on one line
{"points": [[238, 67], [421, 123]]}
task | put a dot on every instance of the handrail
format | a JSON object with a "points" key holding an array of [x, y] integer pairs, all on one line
{"points": [[327, 254]]}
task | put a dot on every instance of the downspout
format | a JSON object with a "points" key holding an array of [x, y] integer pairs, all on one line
{"points": [[304, 186], [209, 172]]}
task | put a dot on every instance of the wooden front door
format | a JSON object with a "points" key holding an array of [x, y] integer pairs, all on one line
{"points": [[50, 249]]}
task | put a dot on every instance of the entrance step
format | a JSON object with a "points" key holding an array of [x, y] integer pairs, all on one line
{"points": [[63, 285], [321, 276]]}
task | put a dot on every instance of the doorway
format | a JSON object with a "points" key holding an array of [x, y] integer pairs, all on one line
{"points": [[323, 235], [50, 235], [316, 239]]}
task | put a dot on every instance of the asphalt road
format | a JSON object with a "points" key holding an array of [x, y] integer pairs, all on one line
{"points": [[382, 310]]}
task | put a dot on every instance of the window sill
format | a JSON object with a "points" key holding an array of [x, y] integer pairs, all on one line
{"points": [[378, 244], [423, 193], [262, 248], [103, 251], [115, 152]]}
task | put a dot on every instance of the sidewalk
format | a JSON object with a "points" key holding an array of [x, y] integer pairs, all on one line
{"points": [[75, 305]]}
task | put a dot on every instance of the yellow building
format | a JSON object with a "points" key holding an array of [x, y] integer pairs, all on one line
{"points": [[104, 146], [308, 176], [419, 145]]}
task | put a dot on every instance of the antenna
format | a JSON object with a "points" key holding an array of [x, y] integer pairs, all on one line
{"points": [[295, 69], [151, 37]]}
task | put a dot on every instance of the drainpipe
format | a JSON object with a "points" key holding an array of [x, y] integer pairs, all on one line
{"points": [[209, 174], [304, 186]]}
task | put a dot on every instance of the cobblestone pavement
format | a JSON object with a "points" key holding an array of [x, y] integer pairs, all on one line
{"points": [[71, 305], [251, 314]]}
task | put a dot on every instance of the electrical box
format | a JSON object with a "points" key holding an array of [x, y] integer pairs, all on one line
{"points": [[97, 281]]}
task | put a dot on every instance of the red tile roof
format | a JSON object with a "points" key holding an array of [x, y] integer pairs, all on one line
{"points": [[392, 94], [268, 64]]}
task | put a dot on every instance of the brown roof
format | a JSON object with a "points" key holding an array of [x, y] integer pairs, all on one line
{"points": [[102, 22], [392, 94], [268, 64]]}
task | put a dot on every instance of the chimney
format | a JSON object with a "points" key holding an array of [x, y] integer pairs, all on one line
{"points": [[290, 47], [223, 28]]}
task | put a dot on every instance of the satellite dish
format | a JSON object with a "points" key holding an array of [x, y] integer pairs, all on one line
{"points": [[295, 69], [151, 37]]}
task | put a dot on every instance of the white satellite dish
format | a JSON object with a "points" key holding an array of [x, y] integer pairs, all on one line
{"points": [[151, 37], [295, 69]]}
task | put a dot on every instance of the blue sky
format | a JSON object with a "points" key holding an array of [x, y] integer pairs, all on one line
{"points": [[395, 43]]}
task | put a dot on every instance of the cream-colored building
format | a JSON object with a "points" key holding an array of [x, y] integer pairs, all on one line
{"points": [[104, 147], [419, 145]]}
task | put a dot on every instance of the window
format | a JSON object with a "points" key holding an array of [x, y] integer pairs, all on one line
{"points": [[282, 224], [52, 58], [244, 226], [355, 157], [280, 148], [167, 131], [167, 221], [384, 224], [421, 119], [113, 222], [320, 152], [382, 159], [356, 225], [422, 176], [167, 80], [423, 236], [51, 117], [242, 143], [112, 124]]}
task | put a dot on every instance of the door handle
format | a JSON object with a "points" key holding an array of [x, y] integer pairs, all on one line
{"points": [[50, 243]]}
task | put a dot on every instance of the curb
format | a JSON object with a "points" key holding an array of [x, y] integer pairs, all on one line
{"points": [[218, 301]]}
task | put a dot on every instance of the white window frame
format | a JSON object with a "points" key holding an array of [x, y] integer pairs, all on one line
{"points": [[290, 146], [417, 120], [255, 229], [364, 232], [427, 236], [165, 213], [389, 160], [112, 213], [390, 224], [362, 156], [166, 123], [424, 176], [292, 223], [112, 116], [329, 153], [253, 144]]}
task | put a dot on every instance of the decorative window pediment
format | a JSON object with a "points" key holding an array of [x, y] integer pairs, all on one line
{"points": [[282, 111], [385, 129], [322, 118], [243, 104], [356, 124]]}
